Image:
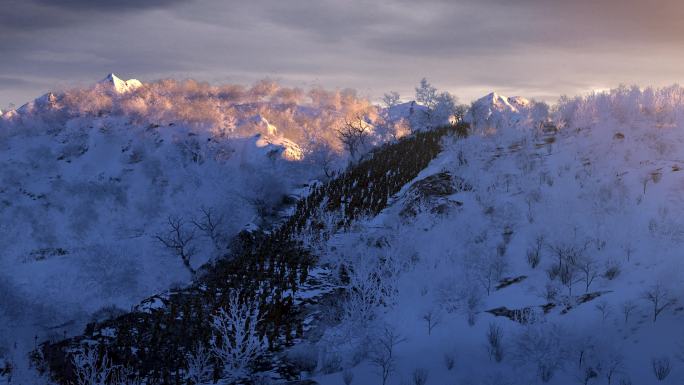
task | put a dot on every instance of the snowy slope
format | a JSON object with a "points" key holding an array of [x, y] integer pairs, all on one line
{"points": [[610, 190], [84, 197]]}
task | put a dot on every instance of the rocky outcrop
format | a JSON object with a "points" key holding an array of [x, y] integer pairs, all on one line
{"points": [[432, 193]]}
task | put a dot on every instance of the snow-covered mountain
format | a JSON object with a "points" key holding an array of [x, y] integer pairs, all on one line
{"points": [[407, 110], [119, 86], [494, 112], [93, 177], [530, 247]]}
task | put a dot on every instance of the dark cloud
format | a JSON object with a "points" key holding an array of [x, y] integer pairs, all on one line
{"points": [[108, 5], [18, 16], [533, 47]]}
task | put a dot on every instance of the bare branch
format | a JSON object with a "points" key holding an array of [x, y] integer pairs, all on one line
{"points": [[179, 240]]}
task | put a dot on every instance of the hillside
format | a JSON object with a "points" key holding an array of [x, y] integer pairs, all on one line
{"points": [[526, 246], [525, 255], [95, 179]]}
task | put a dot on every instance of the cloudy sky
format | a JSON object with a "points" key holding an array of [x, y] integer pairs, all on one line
{"points": [[535, 48]]}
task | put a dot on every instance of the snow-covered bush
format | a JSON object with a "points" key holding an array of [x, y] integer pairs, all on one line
{"points": [[236, 341], [92, 369], [199, 366]]}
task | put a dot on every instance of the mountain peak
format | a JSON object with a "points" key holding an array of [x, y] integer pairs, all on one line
{"points": [[119, 85]]}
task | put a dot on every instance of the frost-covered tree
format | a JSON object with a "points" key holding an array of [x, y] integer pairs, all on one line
{"points": [[92, 369], [539, 114], [438, 108], [371, 285], [444, 110], [236, 342], [426, 94], [199, 367], [391, 126], [587, 267]]}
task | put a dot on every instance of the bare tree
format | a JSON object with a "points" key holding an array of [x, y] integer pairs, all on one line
{"points": [[629, 250], [490, 269], [604, 308], [660, 298], [179, 240], [539, 345], [628, 307], [473, 302], [495, 342], [388, 339], [661, 367], [612, 365], [383, 350], [568, 275], [567, 253], [210, 223], [236, 342], [384, 363], [391, 99], [531, 198], [353, 134], [534, 252], [420, 376], [432, 318], [587, 268]]}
